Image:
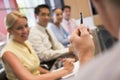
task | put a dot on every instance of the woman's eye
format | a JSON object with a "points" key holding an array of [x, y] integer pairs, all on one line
{"points": [[26, 25], [19, 28]]}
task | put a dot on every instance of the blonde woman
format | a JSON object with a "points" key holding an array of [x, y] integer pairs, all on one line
{"points": [[19, 59]]}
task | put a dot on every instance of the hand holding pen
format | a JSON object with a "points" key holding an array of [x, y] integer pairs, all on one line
{"points": [[81, 22]]}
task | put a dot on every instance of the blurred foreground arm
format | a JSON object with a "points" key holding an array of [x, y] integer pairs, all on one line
{"points": [[82, 44]]}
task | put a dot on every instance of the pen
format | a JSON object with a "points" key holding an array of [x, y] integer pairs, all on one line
{"points": [[81, 22], [81, 18]]}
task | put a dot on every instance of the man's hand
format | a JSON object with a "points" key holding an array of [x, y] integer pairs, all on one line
{"points": [[82, 44]]}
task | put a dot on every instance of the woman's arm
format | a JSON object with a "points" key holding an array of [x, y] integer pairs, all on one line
{"points": [[23, 74], [43, 71]]}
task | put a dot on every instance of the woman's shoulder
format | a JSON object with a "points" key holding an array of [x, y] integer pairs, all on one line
{"points": [[50, 25], [7, 47]]}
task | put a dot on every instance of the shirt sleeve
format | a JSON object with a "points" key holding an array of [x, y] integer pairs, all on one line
{"points": [[64, 41], [44, 53]]}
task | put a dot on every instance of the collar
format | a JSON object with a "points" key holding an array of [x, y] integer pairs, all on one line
{"points": [[41, 28], [20, 45], [64, 20]]}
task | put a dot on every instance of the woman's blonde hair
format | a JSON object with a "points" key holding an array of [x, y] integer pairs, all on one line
{"points": [[12, 17]]}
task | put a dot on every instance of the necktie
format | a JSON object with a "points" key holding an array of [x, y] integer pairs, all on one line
{"points": [[69, 27]]}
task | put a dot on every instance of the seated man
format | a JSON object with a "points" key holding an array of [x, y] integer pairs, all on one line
{"points": [[46, 46], [68, 23]]}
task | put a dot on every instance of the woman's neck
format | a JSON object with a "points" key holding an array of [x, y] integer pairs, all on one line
{"points": [[20, 42], [57, 24]]}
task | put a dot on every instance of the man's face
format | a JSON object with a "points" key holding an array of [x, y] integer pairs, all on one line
{"points": [[109, 15], [66, 13], [43, 16]]}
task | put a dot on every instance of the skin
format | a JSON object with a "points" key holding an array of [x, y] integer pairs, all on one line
{"points": [[83, 45], [20, 32], [66, 13], [57, 16], [43, 17]]}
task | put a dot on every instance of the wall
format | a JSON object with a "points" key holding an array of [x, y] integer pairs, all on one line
{"points": [[78, 6], [5, 6], [83, 6]]}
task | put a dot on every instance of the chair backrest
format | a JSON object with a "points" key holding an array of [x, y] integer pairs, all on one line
{"points": [[96, 41], [3, 75], [102, 39]]}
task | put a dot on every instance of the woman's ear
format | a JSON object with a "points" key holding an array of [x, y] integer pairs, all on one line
{"points": [[54, 18], [9, 31], [35, 16]]}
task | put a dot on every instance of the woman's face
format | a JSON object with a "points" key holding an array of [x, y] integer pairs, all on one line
{"points": [[58, 16], [20, 30]]}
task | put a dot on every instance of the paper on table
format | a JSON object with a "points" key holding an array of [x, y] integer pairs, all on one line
{"points": [[76, 67]]}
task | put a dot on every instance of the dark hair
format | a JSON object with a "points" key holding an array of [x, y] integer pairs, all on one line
{"points": [[56, 9], [66, 6], [37, 9]]}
